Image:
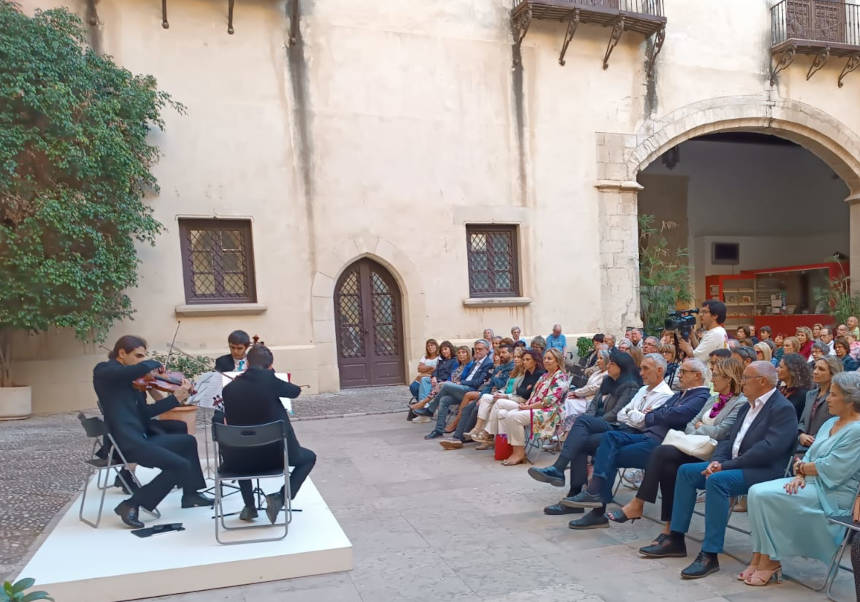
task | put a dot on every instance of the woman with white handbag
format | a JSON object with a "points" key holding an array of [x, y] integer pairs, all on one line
{"points": [[697, 443]]}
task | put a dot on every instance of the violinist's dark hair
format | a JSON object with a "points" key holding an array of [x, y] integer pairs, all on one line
{"points": [[239, 337], [127, 343], [259, 356]]}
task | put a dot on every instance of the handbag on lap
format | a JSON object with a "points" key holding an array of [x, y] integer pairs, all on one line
{"points": [[698, 446]]}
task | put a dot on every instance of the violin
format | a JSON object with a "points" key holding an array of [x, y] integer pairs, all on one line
{"points": [[168, 382]]}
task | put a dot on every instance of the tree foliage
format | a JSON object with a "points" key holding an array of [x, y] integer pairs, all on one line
{"points": [[664, 276], [74, 170]]}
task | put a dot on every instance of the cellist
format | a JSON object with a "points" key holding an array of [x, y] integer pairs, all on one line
{"points": [[129, 420]]}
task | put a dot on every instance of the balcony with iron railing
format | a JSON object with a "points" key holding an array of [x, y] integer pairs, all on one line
{"points": [[820, 28], [641, 16]]}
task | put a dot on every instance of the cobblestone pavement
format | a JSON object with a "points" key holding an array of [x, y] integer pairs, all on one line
{"points": [[42, 465]]}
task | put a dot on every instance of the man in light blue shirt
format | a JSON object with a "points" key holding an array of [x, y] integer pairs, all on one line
{"points": [[556, 340]]}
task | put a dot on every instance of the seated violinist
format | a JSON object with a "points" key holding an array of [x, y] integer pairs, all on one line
{"points": [[252, 399], [238, 342], [143, 440]]}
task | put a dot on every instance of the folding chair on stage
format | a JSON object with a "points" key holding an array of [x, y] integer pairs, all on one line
{"points": [[248, 437], [115, 460]]}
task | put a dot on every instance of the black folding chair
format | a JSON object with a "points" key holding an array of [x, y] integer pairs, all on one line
{"points": [[246, 437], [115, 461]]}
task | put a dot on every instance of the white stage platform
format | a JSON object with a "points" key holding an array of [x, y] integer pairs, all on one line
{"points": [[77, 563]]}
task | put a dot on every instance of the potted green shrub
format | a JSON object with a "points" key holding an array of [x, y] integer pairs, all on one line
{"points": [[17, 592]]}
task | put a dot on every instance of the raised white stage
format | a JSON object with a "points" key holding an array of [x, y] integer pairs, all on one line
{"points": [[77, 563]]}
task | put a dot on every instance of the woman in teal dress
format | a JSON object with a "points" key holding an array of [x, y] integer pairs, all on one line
{"points": [[788, 517]]}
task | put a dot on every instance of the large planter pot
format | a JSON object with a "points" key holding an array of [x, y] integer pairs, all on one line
{"points": [[187, 414], [16, 403]]}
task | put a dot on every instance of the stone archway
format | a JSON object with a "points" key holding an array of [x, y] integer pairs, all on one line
{"points": [[622, 156]]}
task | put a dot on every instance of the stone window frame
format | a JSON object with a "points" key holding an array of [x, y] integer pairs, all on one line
{"points": [[219, 296], [511, 230]]}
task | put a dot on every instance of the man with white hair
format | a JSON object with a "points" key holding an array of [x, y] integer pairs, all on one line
{"points": [[635, 336], [650, 345], [757, 449], [626, 449], [556, 340]]}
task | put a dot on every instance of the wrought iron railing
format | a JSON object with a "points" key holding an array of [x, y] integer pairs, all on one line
{"points": [[821, 21], [642, 7]]}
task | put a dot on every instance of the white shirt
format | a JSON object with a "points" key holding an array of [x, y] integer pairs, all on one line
{"points": [[476, 368], [633, 414], [754, 411], [715, 338]]}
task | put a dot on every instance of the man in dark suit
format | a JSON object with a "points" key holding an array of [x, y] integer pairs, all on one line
{"points": [[254, 398], [756, 450], [129, 420], [238, 341]]}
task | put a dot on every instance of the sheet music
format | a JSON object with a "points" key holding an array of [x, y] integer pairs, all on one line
{"points": [[209, 387], [286, 401]]}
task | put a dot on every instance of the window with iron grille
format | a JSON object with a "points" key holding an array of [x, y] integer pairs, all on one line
{"points": [[217, 261], [493, 261]]}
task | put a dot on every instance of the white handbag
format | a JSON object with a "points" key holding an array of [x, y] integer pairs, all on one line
{"points": [[698, 446]]}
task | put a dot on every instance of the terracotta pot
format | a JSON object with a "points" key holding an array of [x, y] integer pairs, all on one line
{"points": [[187, 414], [16, 403]]}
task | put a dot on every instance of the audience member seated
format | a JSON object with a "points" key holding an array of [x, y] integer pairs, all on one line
{"points": [[762, 352], [496, 342], [451, 394], [778, 350], [425, 367], [542, 412], [805, 338], [578, 399], [468, 413], [790, 345], [670, 354], [827, 339], [715, 420], [819, 350], [517, 334], [816, 410], [795, 380], [596, 343], [756, 450], [743, 335], [609, 341], [842, 349], [538, 344], [745, 355], [816, 331], [532, 372], [445, 365], [556, 340], [788, 517], [463, 361], [765, 333], [629, 449], [715, 356], [618, 388], [650, 345], [853, 326]]}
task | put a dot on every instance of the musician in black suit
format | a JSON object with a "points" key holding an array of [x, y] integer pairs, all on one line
{"points": [[757, 449], [254, 398], [238, 342], [129, 420]]}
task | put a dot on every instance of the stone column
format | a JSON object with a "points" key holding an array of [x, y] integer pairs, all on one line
{"points": [[854, 240], [619, 254]]}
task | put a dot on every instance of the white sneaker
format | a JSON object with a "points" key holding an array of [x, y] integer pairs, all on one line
{"points": [[419, 419]]}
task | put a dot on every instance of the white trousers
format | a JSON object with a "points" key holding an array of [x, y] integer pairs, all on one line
{"points": [[485, 404], [514, 422], [494, 422]]}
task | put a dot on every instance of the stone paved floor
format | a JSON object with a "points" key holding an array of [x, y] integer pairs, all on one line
{"points": [[428, 524]]}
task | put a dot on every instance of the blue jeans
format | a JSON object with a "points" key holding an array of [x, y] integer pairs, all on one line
{"points": [[719, 487], [414, 389], [424, 388], [620, 449], [449, 395]]}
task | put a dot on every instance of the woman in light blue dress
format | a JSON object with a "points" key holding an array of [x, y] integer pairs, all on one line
{"points": [[788, 517]]}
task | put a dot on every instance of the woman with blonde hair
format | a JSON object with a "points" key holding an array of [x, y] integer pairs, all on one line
{"points": [[762, 352], [486, 401], [804, 337], [815, 411]]}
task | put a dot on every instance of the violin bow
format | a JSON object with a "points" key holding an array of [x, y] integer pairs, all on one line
{"points": [[170, 351]]}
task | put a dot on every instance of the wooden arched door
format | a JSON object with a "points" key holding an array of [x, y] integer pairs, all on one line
{"points": [[367, 311]]}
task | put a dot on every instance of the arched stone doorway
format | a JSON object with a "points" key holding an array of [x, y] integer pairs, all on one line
{"points": [[622, 156], [368, 326]]}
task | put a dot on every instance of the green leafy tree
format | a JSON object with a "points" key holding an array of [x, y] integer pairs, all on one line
{"points": [[664, 276], [837, 297], [74, 171]]}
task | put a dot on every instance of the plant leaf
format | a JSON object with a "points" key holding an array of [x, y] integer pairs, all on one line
{"points": [[23, 584], [37, 595]]}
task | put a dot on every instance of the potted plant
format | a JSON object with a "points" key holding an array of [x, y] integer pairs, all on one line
{"points": [[74, 170], [664, 276], [17, 592]]}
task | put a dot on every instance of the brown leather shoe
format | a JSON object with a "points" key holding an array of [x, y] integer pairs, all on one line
{"points": [[451, 444]]}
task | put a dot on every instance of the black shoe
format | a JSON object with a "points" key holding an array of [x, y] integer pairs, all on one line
{"points": [[558, 509], [274, 503], [129, 478], [433, 434], [550, 475], [248, 513], [704, 564], [583, 499], [128, 513], [592, 520], [195, 500], [670, 547], [410, 416]]}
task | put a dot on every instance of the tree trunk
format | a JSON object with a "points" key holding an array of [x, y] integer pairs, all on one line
{"points": [[5, 358]]}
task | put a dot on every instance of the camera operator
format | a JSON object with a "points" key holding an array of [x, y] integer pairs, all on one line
{"points": [[713, 314]]}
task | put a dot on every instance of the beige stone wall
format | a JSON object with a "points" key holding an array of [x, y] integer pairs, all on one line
{"points": [[388, 126]]}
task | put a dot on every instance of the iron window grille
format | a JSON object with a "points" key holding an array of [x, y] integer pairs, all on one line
{"points": [[217, 261], [493, 261]]}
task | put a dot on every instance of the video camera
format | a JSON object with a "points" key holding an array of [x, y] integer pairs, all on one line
{"points": [[683, 321]]}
